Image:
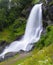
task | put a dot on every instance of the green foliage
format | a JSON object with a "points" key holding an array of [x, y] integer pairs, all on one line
{"points": [[47, 38], [19, 22], [11, 20], [15, 30], [35, 1], [38, 57], [41, 57], [3, 4], [2, 17], [8, 16], [51, 3], [12, 25]]}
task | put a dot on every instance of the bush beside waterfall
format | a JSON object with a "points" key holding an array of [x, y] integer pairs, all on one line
{"points": [[13, 18], [13, 31], [42, 54], [12, 27], [47, 38]]}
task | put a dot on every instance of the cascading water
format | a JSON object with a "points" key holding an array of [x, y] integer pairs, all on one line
{"points": [[9, 6], [32, 32]]}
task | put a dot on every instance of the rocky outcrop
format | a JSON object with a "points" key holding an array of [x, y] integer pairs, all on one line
{"points": [[47, 12], [2, 45], [50, 12]]}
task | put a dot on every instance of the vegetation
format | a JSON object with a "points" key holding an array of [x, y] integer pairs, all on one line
{"points": [[13, 31], [42, 57], [12, 26], [46, 39], [13, 19], [42, 54]]}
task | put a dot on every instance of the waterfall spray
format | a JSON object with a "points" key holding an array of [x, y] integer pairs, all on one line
{"points": [[32, 32]]}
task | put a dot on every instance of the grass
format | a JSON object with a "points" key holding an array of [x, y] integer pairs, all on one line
{"points": [[38, 57], [15, 60], [42, 54], [42, 57], [7, 35]]}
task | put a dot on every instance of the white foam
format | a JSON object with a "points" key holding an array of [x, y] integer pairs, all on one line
{"points": [[32, 32]]}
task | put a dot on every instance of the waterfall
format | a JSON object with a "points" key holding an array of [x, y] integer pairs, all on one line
{"points": [[32, 32], [9, 5]]}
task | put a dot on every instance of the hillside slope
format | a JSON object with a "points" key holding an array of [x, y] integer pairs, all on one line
{"points": [[42, 54]]}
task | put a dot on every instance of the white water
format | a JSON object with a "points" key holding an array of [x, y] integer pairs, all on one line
{"points": [[32, 32], [9, 6]]}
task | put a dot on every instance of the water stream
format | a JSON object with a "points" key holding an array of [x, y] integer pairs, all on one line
{"points": [[32, 32]]}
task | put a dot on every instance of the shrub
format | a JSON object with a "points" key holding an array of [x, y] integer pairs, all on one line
{"points": [[46, 39]]}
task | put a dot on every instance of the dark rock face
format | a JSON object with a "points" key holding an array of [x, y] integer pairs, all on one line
{"points": [[26, 11], [7, 56], [47, 8], [2, 45], [50, 13]]}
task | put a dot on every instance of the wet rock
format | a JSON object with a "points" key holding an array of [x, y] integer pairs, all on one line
{"points": [[19, 37], [11, 54], [47, 12], [49, 9], [1, 59], [26, 11], [7, 56], [2, 45], [50, 12]]}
